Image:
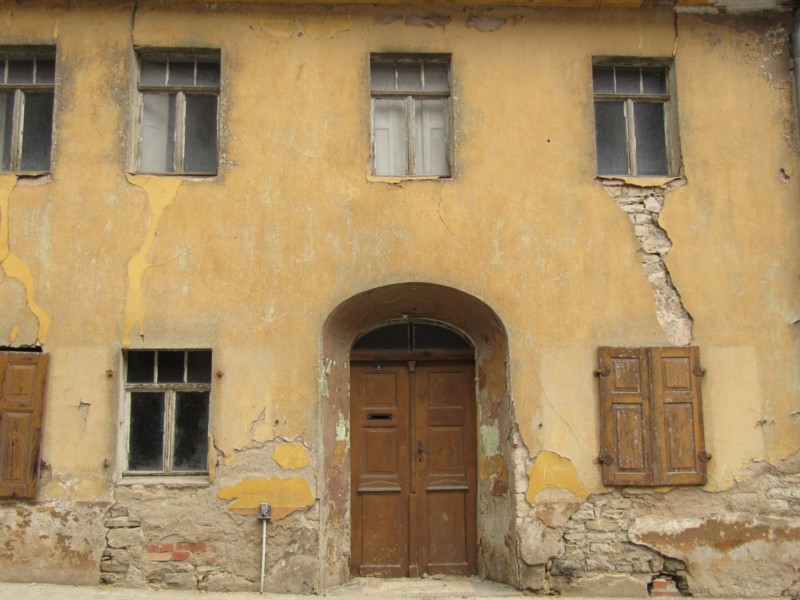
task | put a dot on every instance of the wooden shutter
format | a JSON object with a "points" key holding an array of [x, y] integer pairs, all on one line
{"points": [[651, 416], [677, 416], [22, 385], [626, 451]]}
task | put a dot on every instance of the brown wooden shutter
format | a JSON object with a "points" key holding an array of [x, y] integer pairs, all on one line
{"points": [[677, 416], [626, 444], [22, 385]]}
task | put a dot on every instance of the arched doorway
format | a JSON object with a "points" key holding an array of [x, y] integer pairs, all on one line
{"points": [[478, 323], [413, 451]]}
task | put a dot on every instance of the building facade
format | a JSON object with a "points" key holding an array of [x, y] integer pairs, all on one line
{"points": [[506, 288]]}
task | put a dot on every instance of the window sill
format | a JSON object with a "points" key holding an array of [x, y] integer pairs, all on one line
{"points": [[638, 181], [167, 481], [191, 176], [399, 179]]}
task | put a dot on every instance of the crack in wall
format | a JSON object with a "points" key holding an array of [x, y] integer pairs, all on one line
{"points": [[643, 205], [13, 266]]}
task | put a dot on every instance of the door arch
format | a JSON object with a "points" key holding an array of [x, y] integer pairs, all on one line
{"points": [[495, 488], [413, 451]]}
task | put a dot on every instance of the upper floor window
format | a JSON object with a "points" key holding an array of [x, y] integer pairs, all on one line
{"points": [[179, 108], [635, 120], [411, 115], [27, 83]]}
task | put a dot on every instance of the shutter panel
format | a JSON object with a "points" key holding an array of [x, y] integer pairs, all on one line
{"points": [[626, 443], [677, 416], [22, 385]]}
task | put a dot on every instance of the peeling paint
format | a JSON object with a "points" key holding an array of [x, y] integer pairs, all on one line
{"points": [[490, 440], [291, 456], [285, 495], [486, 24], [280, 28], [342, 426], [13, 266], [550, 470], [327, 28], [160, 192], [14, 332]]}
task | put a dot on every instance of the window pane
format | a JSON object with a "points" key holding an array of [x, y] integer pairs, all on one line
{"points": [[170, 366], [20, 71], [651, 147], [45, 70], [628, 80], [191, 431], [388, 337], [436, 77], [612, 155], [409, 76], [603, 80], [429, 337], [390, 136], [654, 81], [430, 137], [382, 76], [146, 448], [199, 367], [6, 129], [141, 366], [158, 133], [153, 71], [200, 149], [37, 132], [181, 73], [208, 73]]}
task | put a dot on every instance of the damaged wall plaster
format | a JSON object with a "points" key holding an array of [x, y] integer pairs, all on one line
{"points": [[643, 205], [291, 456], [550, 470]]}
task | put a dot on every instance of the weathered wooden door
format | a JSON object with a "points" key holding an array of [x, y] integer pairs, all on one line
{"points": [[414, 467]]}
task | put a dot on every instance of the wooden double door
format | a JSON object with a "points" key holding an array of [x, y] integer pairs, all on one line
{"points": [[414, 468]]}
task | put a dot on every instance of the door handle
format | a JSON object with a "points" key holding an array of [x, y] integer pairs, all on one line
{"points": [[420, 448]]}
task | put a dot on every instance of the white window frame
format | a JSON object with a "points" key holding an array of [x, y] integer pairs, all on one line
{"points": [[126, 475], [181, 91], [19, 90], [667, 99], [409, 97]]}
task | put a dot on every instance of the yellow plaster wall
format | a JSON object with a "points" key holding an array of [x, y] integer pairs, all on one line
{"points": [[251, 262]]}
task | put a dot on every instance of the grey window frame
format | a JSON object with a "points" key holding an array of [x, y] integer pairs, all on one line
{"points": [[19, 90], [181, 91], [668, 100], [170, 391], [409, 97]]}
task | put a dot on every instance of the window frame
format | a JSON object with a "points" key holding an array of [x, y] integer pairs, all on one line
{"points": [[19, 90], [170, 391], [409, 96], [181, 91], [668, 100]]}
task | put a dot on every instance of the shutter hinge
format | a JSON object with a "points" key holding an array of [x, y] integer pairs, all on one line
{"points": [[704, 456], [605, 458], [602, 371], [698, 371]]}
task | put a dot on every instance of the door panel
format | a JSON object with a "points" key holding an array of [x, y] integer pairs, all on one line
{"points": [[414, 468]]}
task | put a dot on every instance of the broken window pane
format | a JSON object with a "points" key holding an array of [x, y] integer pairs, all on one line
{"points": [[199, 366], [191, 431], [146, 448], [37, 131], [6, 129], [651, 147], [611, 136], [158, 133], [141, 366], [200, 150], [431, 137], [170, 366], [390, 137]]}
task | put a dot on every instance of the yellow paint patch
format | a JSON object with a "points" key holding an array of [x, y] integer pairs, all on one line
{"points": [[282, 28], [491, 465], [229, 459], [14, 332], [285, 495], [160, 191], [327, 28], [553, 471], [13, 266], [291, 456]]}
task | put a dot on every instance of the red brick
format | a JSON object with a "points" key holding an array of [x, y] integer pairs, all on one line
{"points": [[181, 555], [192, 547]]}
